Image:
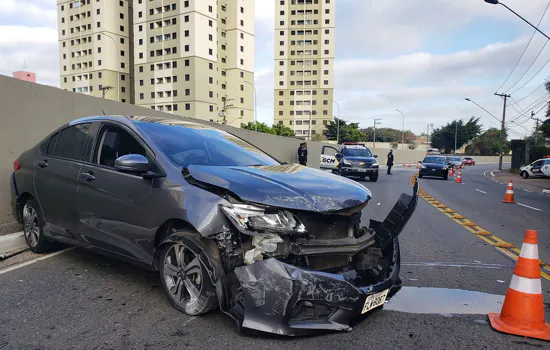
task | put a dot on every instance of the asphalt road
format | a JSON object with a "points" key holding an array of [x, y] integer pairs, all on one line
{"points": [[479, 199], [78, 300]]}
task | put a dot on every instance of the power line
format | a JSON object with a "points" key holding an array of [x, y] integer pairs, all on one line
{"points": [[540, 101], [534, 76], [532, 92], [524, 50]]}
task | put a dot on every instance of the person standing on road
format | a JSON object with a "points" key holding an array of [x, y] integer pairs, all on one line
{"points": [[302, 154], [390, 161]]}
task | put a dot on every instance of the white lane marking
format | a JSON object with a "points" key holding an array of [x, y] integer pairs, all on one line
{"points": [[492, 173], [481, 191], [451, 264], [27, 263], [526, 206]]}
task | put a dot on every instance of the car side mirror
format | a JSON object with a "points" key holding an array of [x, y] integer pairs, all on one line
{"points": [[132, 164], [375, 155]]}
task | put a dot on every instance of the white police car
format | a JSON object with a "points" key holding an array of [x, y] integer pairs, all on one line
{"points": [[538, 168]]}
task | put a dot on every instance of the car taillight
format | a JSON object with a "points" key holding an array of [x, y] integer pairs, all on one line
{"points": [[16, 165]]}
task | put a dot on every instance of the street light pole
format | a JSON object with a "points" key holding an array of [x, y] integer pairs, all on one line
{"points": [[337, 123], [403, 130], [374, 138], [255, 106], [496, 2], [117, 71], [456, 134]]}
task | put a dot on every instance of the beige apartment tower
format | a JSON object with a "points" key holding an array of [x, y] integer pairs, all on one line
{"points": [[95, 47], [304, 65], [196, 58]]}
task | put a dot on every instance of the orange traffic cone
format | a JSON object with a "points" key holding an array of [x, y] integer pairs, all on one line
{"points": [[458, 178], [509, 196], [451, 172], [404, 164], [409, 165], [523, 309]]}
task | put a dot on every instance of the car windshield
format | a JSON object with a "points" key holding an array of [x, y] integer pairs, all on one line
{"points": [[468, 158], [436, 160], [357, 152], [454, 159], [186, 146]]}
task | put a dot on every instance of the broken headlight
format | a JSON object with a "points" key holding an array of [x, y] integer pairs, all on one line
{"points": [[252, 218]]}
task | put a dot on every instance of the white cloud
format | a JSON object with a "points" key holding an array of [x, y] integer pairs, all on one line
{"points": [[30, 12]]}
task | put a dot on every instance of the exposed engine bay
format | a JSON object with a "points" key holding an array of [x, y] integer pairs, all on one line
{"points": [[296, 272]]}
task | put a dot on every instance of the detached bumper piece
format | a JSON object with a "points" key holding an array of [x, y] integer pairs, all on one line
{"points": [[280, 298]]}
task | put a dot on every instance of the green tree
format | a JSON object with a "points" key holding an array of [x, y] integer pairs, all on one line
{"points": [[348, 132], [413, 146], [444, 137], [262, 127], [317, 137], [488, 144], [389, 135], [283, 130], [545, 128]]}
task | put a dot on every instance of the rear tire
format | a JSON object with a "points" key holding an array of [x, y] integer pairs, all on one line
{"points": [[33, 228], [373, 178], [446, 177], [420, 176], [186, 280], [524, 174]]}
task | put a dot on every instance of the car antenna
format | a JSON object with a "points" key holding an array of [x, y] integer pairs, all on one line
{"points": [[103, 111]]}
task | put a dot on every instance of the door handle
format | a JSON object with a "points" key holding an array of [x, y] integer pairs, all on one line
{"points": [[42, 163], [89, 176]]}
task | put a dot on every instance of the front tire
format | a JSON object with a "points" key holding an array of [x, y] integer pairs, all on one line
{"points": [[524, 174], [33, 228], [373, 178], [445, 177], [186, 280]]}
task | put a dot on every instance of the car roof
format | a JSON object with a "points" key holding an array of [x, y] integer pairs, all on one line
{"points": [[125, 119], [354, 146]]}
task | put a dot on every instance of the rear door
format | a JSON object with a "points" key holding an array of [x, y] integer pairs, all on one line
{"points": [[328, 158], [56, 178]]}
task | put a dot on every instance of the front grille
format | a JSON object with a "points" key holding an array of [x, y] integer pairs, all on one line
{"points": [[326, 226], [361, 164]]}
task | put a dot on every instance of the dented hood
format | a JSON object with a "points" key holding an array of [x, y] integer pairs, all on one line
{"points": [[289, 186]]}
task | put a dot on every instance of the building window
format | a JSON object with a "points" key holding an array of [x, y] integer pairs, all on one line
{"points": [[99, 62], [242, 23], [186, 3], [187, 77], [210, 23], [187, 63], [211, 80], [175, 107], [210, 66], [210, 9], [140, 28], [210, 52], [187, 92], [141, 96], [210, 94], [141, 69], [122, 52], [211, 108], [186, 18], [98, 24], [187, 106], [140, 14], [186, 33], [186, 48]]}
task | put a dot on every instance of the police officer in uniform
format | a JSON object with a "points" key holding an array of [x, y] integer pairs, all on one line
{"points": [[390, 161]]}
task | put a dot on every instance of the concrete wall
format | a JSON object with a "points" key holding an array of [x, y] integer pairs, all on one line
{"points": [[32, 111]]}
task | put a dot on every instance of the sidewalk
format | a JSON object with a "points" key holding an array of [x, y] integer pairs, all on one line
{"points": [[531, 184]]}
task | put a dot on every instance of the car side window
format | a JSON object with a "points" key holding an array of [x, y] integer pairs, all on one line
{"points": [[70, 142], [51, 144], [547, 162], [115, 142], [537, 163]]}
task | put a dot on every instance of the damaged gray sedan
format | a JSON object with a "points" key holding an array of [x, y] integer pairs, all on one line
{"points": [[278, 247]]}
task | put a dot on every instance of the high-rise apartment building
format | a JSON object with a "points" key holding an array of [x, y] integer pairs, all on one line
{"points": [[195, 58], [189, 57], [304, 65], [95, 47]]}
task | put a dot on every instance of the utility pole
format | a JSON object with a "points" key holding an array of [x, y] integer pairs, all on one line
{"points": [[402, 130], [376, 122], [536, 127], [226, 106], [502, 130]]}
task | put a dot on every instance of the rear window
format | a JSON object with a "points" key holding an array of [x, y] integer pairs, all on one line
{"points": [[71, 141]]}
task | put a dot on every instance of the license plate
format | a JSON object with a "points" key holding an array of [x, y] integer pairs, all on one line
{"points": [[361, 170], [433, 169], [375, 300]]}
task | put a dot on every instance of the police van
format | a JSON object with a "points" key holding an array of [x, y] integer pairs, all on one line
{"points": [[350, 160], [539, 168]]}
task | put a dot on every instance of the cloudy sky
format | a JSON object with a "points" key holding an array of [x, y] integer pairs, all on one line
{"points": [[420, 56]]}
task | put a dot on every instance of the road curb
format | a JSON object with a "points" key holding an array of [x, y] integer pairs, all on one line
{"points": [[12, 242]]}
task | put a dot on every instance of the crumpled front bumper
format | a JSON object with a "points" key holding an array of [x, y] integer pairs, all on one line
{"points": [[274, 292], [276, 296]]}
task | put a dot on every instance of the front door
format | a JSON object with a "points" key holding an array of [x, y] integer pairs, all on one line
{"points": [[536, 168], [56, 179], [328, 158], [117, 210]]}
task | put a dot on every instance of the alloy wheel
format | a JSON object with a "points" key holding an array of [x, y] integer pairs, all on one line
{"points": [[183, 275], [31, 225]]}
